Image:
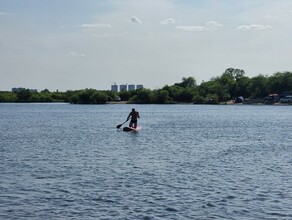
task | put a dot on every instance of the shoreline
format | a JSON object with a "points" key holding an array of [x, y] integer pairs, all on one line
{"points": [[230, 102]]}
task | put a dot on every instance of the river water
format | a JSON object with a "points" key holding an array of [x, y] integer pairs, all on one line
{"points": [[62, 161]]}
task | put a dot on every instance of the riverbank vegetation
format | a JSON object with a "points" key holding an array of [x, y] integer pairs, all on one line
{"points": [[229, 85]]}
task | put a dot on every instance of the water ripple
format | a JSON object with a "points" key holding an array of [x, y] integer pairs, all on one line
{"points": [[200, 162]]}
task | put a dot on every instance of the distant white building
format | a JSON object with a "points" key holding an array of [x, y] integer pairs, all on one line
{"points": [[22, 89], [123, 87], [139, 86], [131, 87], [114, 88], [18, 89]]}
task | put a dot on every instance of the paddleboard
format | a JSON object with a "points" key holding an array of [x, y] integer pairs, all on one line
{"points": [[131, 129]]}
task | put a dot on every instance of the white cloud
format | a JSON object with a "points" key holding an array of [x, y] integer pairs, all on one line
{"points": [[256, 27], [134, 19], [269, 16], [209, 26], [192, 28], [213, 25], [96, 25], [75, 54], [168, 21], [107, 35]]}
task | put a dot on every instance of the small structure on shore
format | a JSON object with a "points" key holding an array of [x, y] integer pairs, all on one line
{"points": [[239, 99]]}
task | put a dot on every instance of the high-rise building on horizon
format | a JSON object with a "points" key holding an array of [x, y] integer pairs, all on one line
{"points": [[114, 88], [140, 86], [123, 87], [131, 87]]}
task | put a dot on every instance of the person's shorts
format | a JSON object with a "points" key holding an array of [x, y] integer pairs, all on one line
{"points": [[133, 120]]}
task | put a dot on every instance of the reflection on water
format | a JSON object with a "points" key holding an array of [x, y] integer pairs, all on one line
{"points": [[187, 162]]}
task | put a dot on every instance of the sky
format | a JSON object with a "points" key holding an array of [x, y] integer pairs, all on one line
{"points": [[77, 44]]}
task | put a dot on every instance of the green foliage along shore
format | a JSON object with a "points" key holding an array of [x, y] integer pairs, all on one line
{"points": [[231, 84]]}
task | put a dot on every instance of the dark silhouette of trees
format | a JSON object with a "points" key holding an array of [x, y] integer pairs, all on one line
{"points": [[228, 86], [280, 82], [258, 86], [8, 97], [187, 82], [23, 95], [88, 96]]}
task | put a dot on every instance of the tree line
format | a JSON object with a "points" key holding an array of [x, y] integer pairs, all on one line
{"points": [[229, 85]]}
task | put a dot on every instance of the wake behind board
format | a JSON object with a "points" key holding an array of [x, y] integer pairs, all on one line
{"points": [[131, 129]]}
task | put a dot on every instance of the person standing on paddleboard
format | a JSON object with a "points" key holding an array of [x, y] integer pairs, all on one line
{"points": [[134, 115]]}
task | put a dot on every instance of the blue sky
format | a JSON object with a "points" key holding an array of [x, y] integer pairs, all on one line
{"points": [[77, 44]]}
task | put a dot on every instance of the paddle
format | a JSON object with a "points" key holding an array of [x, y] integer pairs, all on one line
{"points": [[118, 126]]}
